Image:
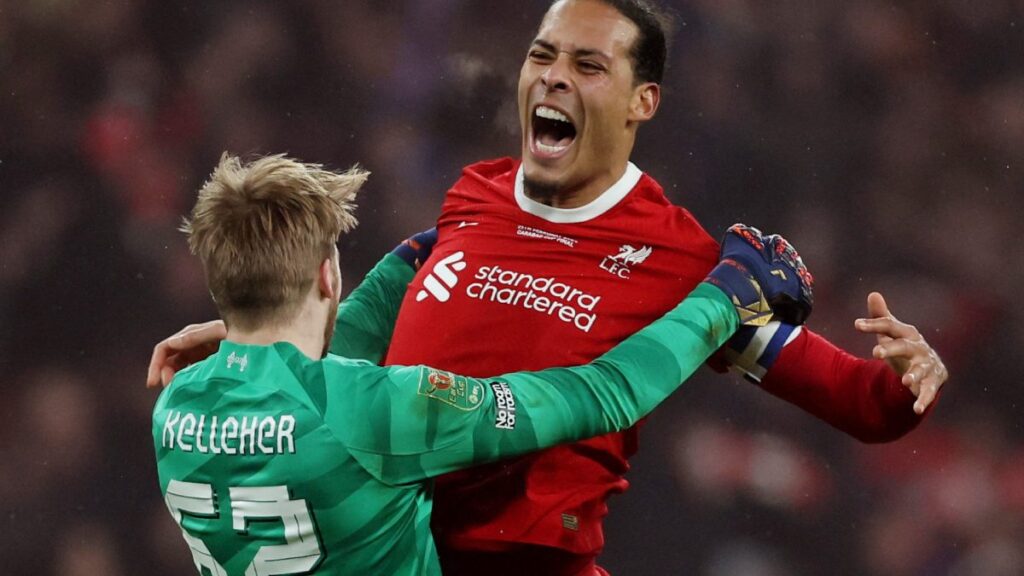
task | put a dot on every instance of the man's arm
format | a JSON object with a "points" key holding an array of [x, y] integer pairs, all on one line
{"points": [[366, 318], [404, 424], [427, 422], [872, 400], [368, 313], [187, 346]]}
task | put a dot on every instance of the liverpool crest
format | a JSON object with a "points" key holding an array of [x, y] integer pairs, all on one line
{"points": [[622, 264]]}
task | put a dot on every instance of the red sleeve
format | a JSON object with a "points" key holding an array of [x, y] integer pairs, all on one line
{"points": [[863, 398]]}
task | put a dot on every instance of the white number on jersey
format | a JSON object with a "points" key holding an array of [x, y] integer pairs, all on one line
{"points": [[300, 553]]}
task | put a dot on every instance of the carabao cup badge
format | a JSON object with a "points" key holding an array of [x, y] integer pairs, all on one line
{"points": [[454, 390]]}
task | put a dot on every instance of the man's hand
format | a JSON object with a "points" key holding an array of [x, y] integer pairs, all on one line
{"points": [[764, 277], [416, 249], [189, 345], [906, 351]]}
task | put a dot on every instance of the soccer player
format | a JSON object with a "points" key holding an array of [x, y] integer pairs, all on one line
{"points": [[552, 259], [276, 460]]}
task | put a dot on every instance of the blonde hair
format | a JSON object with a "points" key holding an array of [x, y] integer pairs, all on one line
{"points": [[262, 230]]}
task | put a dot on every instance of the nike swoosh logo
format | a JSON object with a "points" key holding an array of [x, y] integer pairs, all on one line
{"points": [[463, 224]]}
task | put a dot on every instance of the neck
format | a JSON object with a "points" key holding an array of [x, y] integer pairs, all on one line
{"points": [[575, 196], [559, 197], [298, 332]]}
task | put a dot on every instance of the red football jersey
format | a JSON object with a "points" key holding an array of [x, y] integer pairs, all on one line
{"points": [[523, 286]]}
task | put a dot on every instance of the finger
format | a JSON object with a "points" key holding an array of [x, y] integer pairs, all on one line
{"points": [[166, 375], [914, 375], [156, 362], [160, 354], [886, 327], [904, 348], [172, 365], [929, 390], [879, 327], [190, 338], [877, 307], [940, 372]]}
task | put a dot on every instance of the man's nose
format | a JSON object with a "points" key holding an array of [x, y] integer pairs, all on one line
{"points": [[556, 77]]}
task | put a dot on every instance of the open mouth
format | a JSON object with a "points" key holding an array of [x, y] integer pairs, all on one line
{"points": [[553, 131]]}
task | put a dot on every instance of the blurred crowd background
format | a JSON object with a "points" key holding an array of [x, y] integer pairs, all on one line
{"points": [[886, 139]]}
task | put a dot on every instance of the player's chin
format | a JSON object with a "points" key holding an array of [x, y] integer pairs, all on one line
{"points": [[547, 170], [542, 180]]}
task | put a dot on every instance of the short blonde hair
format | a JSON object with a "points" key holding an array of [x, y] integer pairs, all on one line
{"points": [[262, 230]]}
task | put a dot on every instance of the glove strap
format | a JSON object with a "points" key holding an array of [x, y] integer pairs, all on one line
{"points": [[753, 351], [743, 290]]}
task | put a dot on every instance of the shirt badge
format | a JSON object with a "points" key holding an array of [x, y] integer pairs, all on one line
{"points": [[453, 390], [622, 264]]}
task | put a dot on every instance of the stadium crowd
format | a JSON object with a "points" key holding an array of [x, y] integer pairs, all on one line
{"points": [[884, 139]]}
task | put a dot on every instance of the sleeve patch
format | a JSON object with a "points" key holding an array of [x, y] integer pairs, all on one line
{"points": [[505, 402], [456, 391]]}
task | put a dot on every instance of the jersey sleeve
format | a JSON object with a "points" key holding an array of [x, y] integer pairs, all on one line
{"points": [[864, 398], [366, 318], [421, 422]]}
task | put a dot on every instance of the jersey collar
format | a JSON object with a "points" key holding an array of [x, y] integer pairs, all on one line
{"points": [[598, 206]]}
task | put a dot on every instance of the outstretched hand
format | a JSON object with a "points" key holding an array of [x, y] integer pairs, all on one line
{"points": [[189, 345], [905, 350]]}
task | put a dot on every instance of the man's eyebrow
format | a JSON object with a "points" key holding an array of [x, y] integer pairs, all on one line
{"points": [[543, 44], [578, 53]]}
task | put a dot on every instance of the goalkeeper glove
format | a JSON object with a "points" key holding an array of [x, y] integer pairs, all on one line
{"points": [[763, 276], [416, 249]]}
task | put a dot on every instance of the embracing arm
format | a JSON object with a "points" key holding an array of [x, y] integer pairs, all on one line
{"points": [[363, 328], [421, 422], [418, 422], [366, 318]]}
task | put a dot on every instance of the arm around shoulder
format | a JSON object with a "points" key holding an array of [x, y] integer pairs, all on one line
{"points": [[366, 318]]}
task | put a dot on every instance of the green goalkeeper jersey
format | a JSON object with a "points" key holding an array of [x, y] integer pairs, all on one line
{"points": [[273, 463]]}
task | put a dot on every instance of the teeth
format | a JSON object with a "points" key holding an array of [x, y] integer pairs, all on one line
{"points": [[550, 149], [551, 114]]}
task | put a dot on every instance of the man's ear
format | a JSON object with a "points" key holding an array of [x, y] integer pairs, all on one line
{"points": [[644, 104], [328, 280]]}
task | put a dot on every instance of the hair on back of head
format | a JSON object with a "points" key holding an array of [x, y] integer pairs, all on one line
{"points": [[262, 229]]}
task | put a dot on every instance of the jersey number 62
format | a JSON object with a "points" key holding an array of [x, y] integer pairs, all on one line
{"points": [[299, 554]]}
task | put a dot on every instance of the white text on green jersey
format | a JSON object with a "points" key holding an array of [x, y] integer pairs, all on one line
{"points": [[231, 435]]}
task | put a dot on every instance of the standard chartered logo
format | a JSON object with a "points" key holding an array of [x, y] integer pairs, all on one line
{"points": [[542, 294], [442, 278]]}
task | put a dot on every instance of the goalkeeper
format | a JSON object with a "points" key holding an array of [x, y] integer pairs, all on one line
{"points": [[275, 459]]}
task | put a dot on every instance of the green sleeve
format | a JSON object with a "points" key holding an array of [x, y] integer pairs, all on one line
{"points": [[423, 422], [366, 319]]}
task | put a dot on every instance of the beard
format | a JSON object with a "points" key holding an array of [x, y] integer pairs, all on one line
{"points": [[542, 192]]}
